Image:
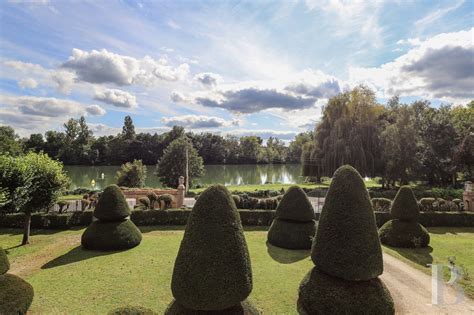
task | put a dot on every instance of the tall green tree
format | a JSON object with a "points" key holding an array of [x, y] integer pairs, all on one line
{"points": [[295, 148], [9, 141], [349, 133], [172, 164], [33, 183], [128, 129], [132, 174]]}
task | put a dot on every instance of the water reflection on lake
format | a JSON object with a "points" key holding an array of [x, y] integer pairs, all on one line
{"points": [[81, 176]]}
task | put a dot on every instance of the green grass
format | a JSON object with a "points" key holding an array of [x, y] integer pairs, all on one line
{"points": [[445, 242], [70, 280]]}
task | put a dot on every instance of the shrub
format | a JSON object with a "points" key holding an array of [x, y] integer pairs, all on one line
{"points": [[295, 206], [4, 262], [111, 235], [145, 202], [16, 294], [347, 245], [404, 230], [291, 235], [112, 205], [237, 202], [321, 293], [381, 204], [245, 307], [113, 230], [347, 254], [405, 206], [132, 174], [399, 233], [167, 200], [153, 199], [427, 204], [212, 269], [63, 204]]}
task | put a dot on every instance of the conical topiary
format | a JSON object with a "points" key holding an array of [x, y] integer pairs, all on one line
{"points": [[113, 230], [4, 262], [212, 271], [347, 233], [294, 226], [404, 206], [347, 254], [112, 205], [16, 294], [295, 206], [404, 230]]}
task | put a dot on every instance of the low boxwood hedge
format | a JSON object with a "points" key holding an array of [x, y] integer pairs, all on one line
{"points": [[180, 217]]}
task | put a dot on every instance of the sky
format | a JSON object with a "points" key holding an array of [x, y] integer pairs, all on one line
{"points": [[262, 68]]}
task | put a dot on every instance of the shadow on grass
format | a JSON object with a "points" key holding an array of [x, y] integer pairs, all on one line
{"points": [[153, 228], [450, 230], [420, 256], [287, 256], [75, 255]]}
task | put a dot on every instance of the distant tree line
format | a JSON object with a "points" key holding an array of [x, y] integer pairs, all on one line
{"points": [[77, 145], [398, 142]]}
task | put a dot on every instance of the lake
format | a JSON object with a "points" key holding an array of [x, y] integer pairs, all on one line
{"points": [[252, 174]]}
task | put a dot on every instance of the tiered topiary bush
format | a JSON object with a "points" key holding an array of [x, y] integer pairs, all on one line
{"points": [[16, 294], [212, 272], [346, 253], [113, 230], [294, 226], [404, 230]]}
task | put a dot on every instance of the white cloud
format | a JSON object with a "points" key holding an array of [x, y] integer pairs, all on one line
{"points": [[198, 121], [102, 66], [437, 14], [28, 83], [173, 25], [116, 98], [95, 110], [178, 97], [208, 79], [301, 91], [44, 106], [441, 67]]}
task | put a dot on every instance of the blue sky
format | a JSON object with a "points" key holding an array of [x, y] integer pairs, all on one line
{"points": [[238, 67]]}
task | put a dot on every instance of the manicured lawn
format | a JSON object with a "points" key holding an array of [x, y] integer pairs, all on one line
{"points": [[70, 280], [71, 197], [445, 242]]}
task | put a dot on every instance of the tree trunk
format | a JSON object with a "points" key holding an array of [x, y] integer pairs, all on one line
{"points": [[26, 229]]}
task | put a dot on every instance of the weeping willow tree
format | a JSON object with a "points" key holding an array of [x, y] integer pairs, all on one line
{"points": [[349, 133]]}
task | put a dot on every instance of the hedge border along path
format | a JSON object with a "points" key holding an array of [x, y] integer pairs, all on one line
{"points": [[294, 226], [347, 254], [212, 270], [404, 230], [113, 230], [16, 295]]}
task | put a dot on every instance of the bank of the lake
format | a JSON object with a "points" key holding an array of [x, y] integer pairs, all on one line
{"points": [[230, 175]]}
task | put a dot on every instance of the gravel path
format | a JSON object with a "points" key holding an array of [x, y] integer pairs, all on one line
{"points": [[411, 291]]}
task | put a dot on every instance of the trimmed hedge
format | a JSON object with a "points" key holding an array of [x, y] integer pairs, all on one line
{"points": [[405, 206], [320, 293], [347, 243], [399, 233], [4, 262], [292, 235], [111, 235], [180, 217], [243, 308], [112, 205], [212, 270], [16, 295]]}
